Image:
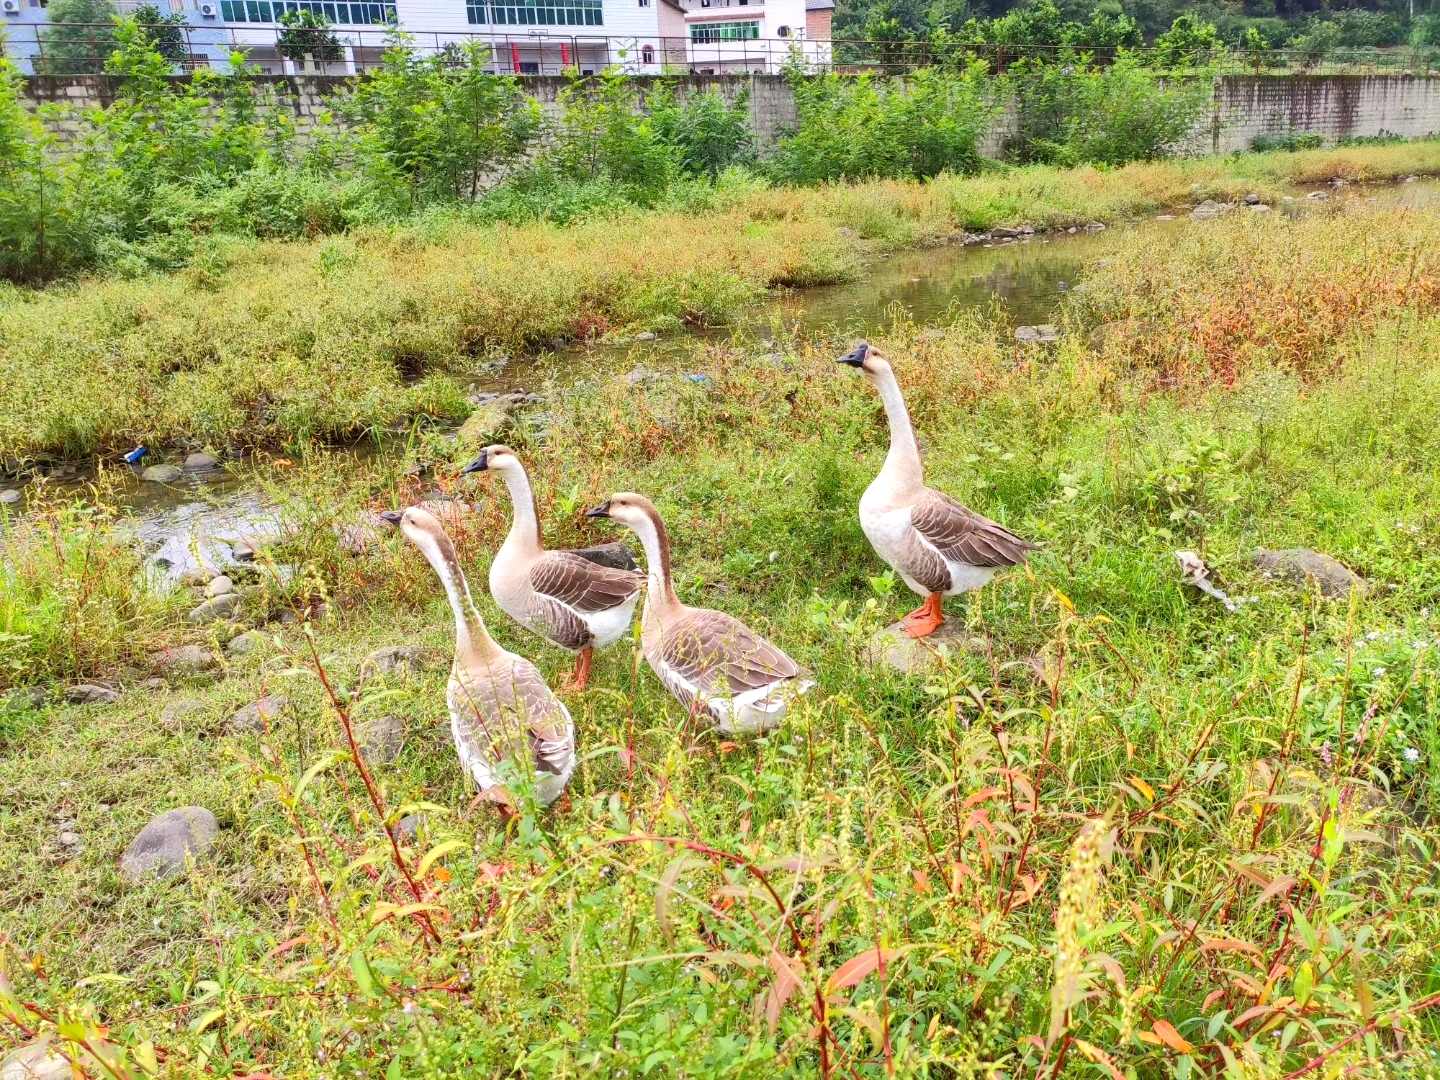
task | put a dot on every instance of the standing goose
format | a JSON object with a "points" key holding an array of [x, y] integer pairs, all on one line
{"points": [[499, 704], [710, 661], [936, 545], [570, 598]]}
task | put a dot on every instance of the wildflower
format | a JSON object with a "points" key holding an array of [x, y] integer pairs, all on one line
{"points": [[1079, 908], [1411, 754], [1325, 755], [1378, 672]]}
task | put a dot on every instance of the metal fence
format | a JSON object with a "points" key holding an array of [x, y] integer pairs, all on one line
{"points": [[82, 48]]}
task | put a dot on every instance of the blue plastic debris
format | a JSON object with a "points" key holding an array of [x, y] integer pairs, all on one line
{"points": [[135, 455], [698, 379]]}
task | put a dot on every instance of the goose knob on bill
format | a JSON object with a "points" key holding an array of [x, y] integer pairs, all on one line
{"points": [[711, 662], [938, 547], [500, 707], [567, 597]]}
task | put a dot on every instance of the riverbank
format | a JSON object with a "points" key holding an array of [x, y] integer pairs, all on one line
{"points": [[280, 344], [1189, 404]]}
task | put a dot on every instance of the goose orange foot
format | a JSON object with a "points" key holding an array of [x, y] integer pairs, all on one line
{"points": [[924, 620], [580, 678]]}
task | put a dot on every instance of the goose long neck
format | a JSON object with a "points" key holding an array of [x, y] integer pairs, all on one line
{"points": [[525, 522], [656, 542], [902, 463], [472, 639]]}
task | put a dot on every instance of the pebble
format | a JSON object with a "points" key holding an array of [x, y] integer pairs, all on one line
{"points": [[215, 609], [254, 718], [91, 694], [893, 648], [646, 335], [245, 644], [219, 586], [1045, 333], [201, 462], [35, 1061], [408, 827], [393, 658], [9, 497], [168, 841], [162, 474], [381, 739], [185, 660]]}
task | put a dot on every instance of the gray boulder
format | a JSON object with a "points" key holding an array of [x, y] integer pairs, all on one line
{"points": [[91, 694], [35, 1061], [1209, 209], [201, 462], [245, 644], [9, 497], [167, 842], [215, 609], [162, 474], [381, 739], [175, 715], [1043, 334], [408, 827], [1301, 566], [185, 660], [219, 586], [405, 659], [23, 699], [893, 648], [254, 718]]}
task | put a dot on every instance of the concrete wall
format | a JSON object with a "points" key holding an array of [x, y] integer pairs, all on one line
{"points": [[1334, 106]]}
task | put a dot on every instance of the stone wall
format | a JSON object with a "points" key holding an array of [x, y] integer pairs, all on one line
{"points": [[1333, 106]]}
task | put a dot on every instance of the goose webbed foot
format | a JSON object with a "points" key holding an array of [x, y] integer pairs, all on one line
{"points": [[580, 677], [924, 620]]}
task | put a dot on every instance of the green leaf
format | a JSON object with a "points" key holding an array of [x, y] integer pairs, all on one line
{"points": [[1304, 982], [364, 977], [439, 851]]}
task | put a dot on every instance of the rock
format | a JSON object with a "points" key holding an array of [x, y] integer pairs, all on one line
{"points": [[153, 683], [1318, 195], [245, 644], [1252, 199], [1095, 226], [381, 739], [219, 586], [162, 474], [1301, 566], [175, 714], [638, 375], [408, 827], [1005, 232], [1409, 179], [892, 647], [1045, 333], [185, 660], [91, 694], [201, 462], [1209, 209], [646, 335], [164, 845], [846, 233], [35, 1061], [9, 497], [254, 718], [1338, 182], [483, 426], [215, 609], [23, 699], [1260, 208], [68, 838], [614, 554], [406, 659]]}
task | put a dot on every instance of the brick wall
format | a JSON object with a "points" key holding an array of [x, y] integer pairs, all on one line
{"points": [[1333, 106]]}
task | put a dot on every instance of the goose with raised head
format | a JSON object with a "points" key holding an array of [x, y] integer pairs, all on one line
{"points": [[711, 662], [575, 599], [938, 547], [500, 707]]}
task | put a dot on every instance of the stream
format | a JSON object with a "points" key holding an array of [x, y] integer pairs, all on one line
{"points": [[204, 520]]}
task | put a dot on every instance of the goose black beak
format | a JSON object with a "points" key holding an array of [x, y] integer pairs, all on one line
{"points": [[392, 516], [601, 511], [480, 464], [856, 356]]}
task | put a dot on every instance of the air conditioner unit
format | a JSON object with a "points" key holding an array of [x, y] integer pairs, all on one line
{"points": [[10, 7], [208, 11]]}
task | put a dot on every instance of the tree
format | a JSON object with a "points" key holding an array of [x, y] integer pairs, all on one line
{"points": [[705, 132], [81, 35], [1255, 46], [165, 33], [307, 34], [1189, 42]]}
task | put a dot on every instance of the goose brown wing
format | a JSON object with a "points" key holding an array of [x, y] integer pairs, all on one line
{"points": [[581, 584], [720, 654], [964, 536], [509, 706]]}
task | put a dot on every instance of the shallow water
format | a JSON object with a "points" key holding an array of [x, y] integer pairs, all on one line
{"points": [[191, 523]]}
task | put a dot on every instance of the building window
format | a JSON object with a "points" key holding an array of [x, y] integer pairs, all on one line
{"points": [[647, 54], [475, 14], [341, 14], [644, 3], [701, 33], [547, 12]]}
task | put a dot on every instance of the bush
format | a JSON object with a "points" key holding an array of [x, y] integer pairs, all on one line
{"points": [[1291, 140], [602, 136], [307, 34], [850, 129], [705, 132], [1190, 42]]}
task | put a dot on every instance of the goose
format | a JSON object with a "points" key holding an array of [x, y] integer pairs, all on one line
{"points": [[574, 599], [938, 547], [499, 704], [711, 662]]}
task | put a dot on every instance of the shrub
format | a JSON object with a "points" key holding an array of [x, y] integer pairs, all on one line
{"points": [[705, 132], [79, 37], [307, 34], [1291, 140], [603, 136], [1189, 42], [848, 129]]}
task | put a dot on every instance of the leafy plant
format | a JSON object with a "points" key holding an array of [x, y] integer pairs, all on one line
{"points": [[307, 33], [602, 135], [706, 133], [164, 32], [1190, 42], [78, 38]]}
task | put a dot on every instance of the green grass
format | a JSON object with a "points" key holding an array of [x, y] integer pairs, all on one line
{"points": [[933, 817], [281, 344]]}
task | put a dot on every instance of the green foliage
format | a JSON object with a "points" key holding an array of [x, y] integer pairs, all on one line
{"points": [[856, 128], [78, 39], [603, 136], [306, 33], [1292, 140], [1255, 46], [1190, 42], [165, 32], [706, 133], [1316, 42]]}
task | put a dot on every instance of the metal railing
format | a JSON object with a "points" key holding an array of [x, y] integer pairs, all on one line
{"points": [[553, 51]]}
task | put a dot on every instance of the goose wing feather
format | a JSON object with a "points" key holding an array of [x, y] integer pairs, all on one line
{"points": [[961, 535], [508, 709], [720, 654], [580, 584]]}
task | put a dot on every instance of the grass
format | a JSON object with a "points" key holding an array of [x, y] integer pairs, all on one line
{"points": [[280, 344], [1258, 894]]}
